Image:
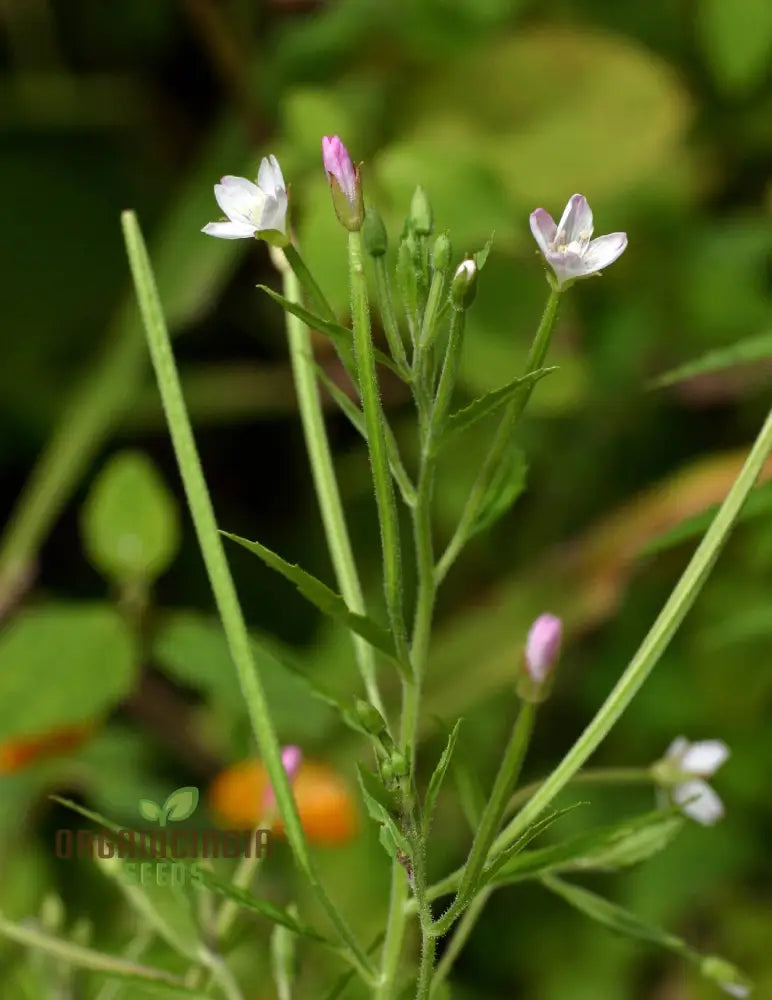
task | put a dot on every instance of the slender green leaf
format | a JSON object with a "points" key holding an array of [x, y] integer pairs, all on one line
{"points": [[623, 922], [505, 487], [758, 504], [341, 337], [533, 831], [491, 402], [605, 849], [435, 783], [321, 596], [96, 961], [758, 348], [242, 897]]}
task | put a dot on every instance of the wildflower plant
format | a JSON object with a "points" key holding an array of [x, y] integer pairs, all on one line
{"points": [[422, 308]]}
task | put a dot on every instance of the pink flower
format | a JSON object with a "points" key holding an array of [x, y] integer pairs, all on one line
{"points": [[344, 182], [568, 247], [542, 647], [291, 758]]}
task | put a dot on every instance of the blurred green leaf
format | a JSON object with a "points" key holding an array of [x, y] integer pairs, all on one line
{"points": [[438, 776], [130, 521], [737, 40], [506, 486], [604, 849], [61, 665], [322, 597], [743, 352], [758, 504], [191, 648]]}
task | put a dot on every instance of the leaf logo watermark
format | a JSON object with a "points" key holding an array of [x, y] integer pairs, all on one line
{"points": [[179, 806]]}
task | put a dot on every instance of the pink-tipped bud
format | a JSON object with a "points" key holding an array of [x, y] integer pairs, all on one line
{"points": [[344, 183], [291, 758], [542, 647]]}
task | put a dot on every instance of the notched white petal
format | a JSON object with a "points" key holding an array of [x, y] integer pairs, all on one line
{"points": [[699, 802], [705, 757], [241, 202], [604, 251], [576, 222], [229, 230], [543, 228], [269, 176]]}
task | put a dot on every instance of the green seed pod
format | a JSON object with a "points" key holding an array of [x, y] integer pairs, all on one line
{"points": [[374, 235], [407, 279]]}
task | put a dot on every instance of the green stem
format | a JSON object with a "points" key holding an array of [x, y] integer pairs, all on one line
{"points": [[503, 436], [395, 933], [459, 938], [309, 283], [325, 481], [492, 816], [653, 646], [594, 776], [210, 541], [388, 314], [426, 968], [376, 443]]}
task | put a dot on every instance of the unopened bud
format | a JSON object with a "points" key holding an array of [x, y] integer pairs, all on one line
{"points": [[374, 235], [407, 280], [542, 650], [371, 719], [442, 252], [464, 286], [345, 183], [399, 765], [421, 215]]}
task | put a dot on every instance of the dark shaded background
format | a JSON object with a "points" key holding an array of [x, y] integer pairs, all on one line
{"points": [[659, 113]]}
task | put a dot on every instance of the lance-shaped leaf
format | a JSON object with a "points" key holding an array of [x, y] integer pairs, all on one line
{"points": [[758, 504], [481, 256], [438, 776], [491, 402], [745, 351], [322, 597], [341, 337], [622, 921], [533, 831], [154, 981], [605, 849], [505, 487]]}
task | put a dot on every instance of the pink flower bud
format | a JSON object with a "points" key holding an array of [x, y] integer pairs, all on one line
{"points": [[344, 182], [291, 758], [542, 648]]}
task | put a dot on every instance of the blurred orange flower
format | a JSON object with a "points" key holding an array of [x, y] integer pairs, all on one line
{"points": [[327, 810], [16, 754]]}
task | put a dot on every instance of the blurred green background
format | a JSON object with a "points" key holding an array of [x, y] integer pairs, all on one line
{"points": [[659, 113]]}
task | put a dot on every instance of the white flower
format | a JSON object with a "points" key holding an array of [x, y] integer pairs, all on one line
{"points": [[567, 246], [251, 208], [684, 768]]}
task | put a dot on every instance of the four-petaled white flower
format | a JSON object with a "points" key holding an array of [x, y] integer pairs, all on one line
{"points": [[684, 768], [251, 208], [568, 247]]}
